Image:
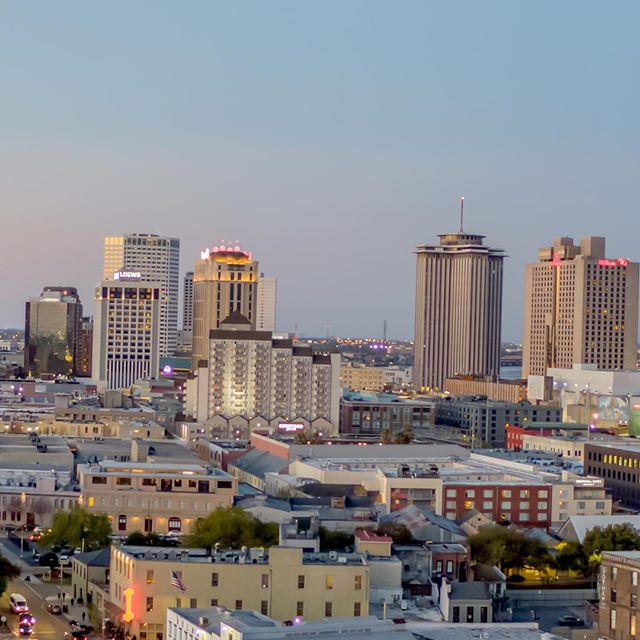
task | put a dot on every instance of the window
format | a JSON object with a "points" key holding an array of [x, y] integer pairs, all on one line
{"points": [[456, 614], [122, 522], [193, 603], [150, 577], [599, 505], [543, 505], [487, 493], [175, 523], [484, 612], [99, 480], [328, 582], [613, 619], [149, 604], [469, 614], [238, 604], [215, 580], [487, 505], [264, 607], [123, 481], [614, 573], [214, 602], [470, 493], [505, 505], [265, 580], [300, 582], [614, 595], [451, 504], [356, 609], [634, 578], [357, 583], [506, 493], [449, 566], [328, 609], [634, 601], [148, 524], [300, 608], [632, 626], [178, 603]]}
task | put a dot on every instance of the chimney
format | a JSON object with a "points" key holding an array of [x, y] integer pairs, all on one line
{"points": [[139, 450]]}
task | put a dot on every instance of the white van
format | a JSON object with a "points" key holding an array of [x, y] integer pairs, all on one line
{"points": [[18, 603]]}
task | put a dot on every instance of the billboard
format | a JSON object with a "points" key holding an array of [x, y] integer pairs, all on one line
{"points": [[612, 411]]}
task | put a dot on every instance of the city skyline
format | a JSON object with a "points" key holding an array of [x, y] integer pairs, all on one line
{"points": [[347, 146]]}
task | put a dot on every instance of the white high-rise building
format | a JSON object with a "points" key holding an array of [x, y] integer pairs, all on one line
{"points": [[253, 374], [458, 309], [266, 315], [187, 309], [126, 331], [156, 259]]}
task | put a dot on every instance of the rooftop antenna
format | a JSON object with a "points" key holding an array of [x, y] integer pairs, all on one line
{"points": [[461, 213]]}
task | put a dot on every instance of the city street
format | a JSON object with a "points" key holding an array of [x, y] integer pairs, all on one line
{"points": [[47, 626]]}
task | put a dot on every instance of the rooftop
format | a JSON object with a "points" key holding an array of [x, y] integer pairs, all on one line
{"points": [[366, 535]]}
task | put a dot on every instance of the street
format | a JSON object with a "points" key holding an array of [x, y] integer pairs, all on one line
{"points": [[47, 626]]}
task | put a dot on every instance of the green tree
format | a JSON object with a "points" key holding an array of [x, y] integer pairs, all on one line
{"points": [[302, 437], [139, 539], [508, 549], [404, 436], [614, 537], [571, 557], [73, 527], [231, 527], [8, 572], [334, 540], [399, 532]]}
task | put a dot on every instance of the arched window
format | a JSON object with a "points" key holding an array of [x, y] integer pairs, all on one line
{"points": [[122, 522], [175, 524]]}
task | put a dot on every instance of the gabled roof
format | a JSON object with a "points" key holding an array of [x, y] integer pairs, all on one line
{"points": [[258, 463], [99, 558], [576, 527]]}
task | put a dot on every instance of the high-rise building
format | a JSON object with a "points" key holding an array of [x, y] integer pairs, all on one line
{"points": [[156, 259], [85, 347], [252, 374], [126, 331], [458, 309], [187, 310], [52, 332], [266, 315], [224, 281], [579, 308]]}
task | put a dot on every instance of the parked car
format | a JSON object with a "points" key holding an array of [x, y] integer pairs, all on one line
{"points": [[54, 608], [27, 618], [570, 621]]}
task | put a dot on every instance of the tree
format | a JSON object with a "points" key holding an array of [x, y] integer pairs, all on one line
{"points": [[231, 527], [508, 549], [614, 537], [8, 572], [302, 437], [71, 528], [404, 436], [139, 539], [334, 540], [399, 532]]}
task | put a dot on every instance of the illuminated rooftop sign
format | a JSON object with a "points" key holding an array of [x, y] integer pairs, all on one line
{"points": [[620, 262], [127, 275], [222, 248]]}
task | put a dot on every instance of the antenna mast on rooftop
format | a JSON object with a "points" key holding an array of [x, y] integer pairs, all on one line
{"points": [[461, 213]]}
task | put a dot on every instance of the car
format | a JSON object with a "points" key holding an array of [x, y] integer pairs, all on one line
{"points": [[81, 626], [76, 635], [54, 608], [25, 629], [18, 603], [64, 559], [27, 618], [570, 621]]}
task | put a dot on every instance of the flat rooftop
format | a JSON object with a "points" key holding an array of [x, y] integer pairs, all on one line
{"points": [[161, 451], [232, 556]]}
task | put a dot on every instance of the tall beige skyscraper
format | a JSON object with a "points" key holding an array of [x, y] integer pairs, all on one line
{"points": [[458, 309], [266, 314], [224, 280], [579, 308], [155, 259]]}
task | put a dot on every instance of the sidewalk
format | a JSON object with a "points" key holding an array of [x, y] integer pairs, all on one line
{"points": [[73, 612]]}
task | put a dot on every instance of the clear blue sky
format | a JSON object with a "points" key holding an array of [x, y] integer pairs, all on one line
{"points": [[330, 137]]}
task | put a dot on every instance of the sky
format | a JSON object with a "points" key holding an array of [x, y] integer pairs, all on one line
{"points": [[328, 137]]}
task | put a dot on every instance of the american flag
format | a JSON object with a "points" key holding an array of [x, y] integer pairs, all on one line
{"points": [[176, 581]]}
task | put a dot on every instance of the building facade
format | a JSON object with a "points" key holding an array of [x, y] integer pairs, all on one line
{"points": [[250, 373], [281, 583], [485, 420], [493, 388], [126, 332], [187, 302], [153, 497], [224, 281], [266, 312], [580, 307], [618, 617], [85, 347], [156, 259], [458, 309], [371, 414], [619, 466], [53, 324]]}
